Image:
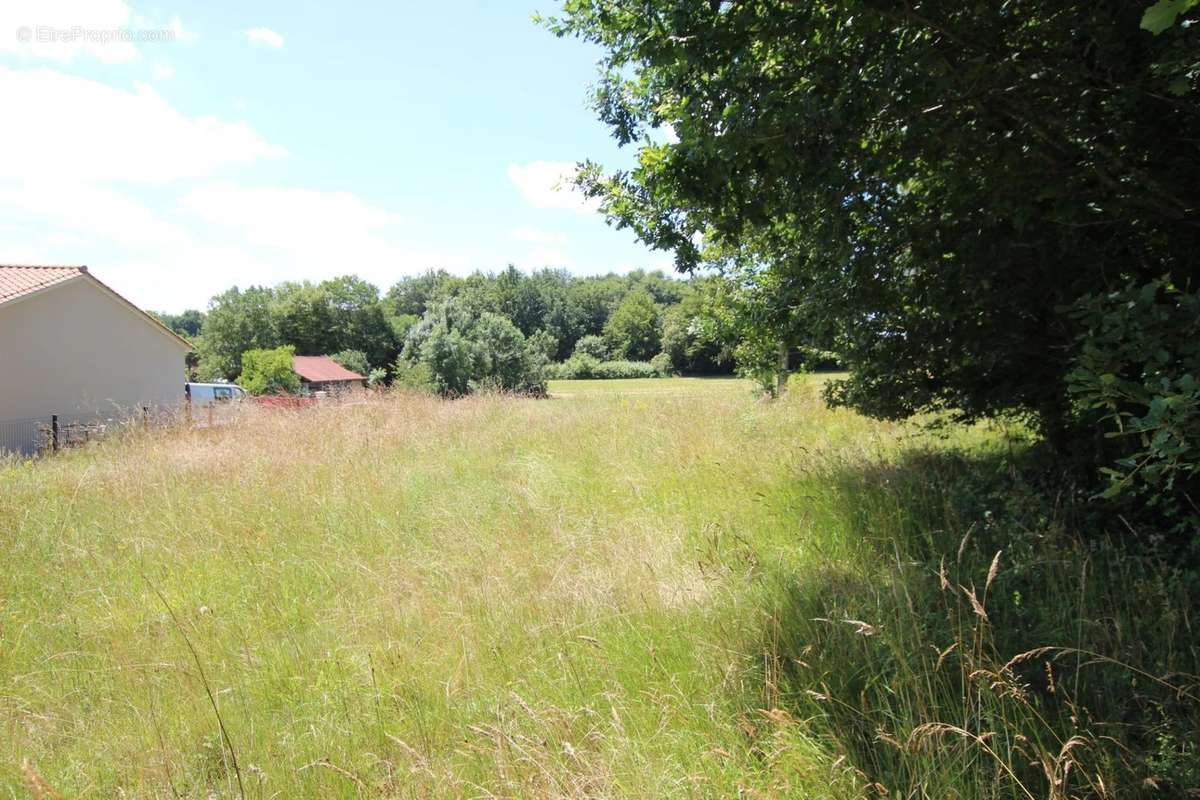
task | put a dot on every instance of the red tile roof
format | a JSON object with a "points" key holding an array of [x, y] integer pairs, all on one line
{"points": [[320, 369], [19, 280]]}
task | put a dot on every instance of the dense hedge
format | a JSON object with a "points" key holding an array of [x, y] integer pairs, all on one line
{"points": [[582, 366]]}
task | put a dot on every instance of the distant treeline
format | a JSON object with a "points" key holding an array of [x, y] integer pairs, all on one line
{"points": [[633, 317]]}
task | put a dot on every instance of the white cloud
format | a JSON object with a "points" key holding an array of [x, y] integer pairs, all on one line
{"points": [[278, 233], [548, 184], [91, 210], [265, 37], [532, 235], [549, 257], [83, 185], [213, 237], [303, 222], [81, 130], [62, 29], [300, 233], [163, 70], [546, 248], [179, 33]]}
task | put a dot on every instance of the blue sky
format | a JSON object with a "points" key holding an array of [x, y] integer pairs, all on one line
{"points": [[255, 142]]}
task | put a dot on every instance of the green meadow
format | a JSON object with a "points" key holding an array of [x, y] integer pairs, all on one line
{"points": [[660, 588]]}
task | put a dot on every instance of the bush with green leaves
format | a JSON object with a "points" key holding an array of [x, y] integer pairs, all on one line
{"points": [[593, 346], [544, 342], [1137, 376], [269, 371], [353, 360], [662, 365], [412, 375], [584, 367], [376, 378], [505, 357], [578, 367], [461, 351], [626, 369]]}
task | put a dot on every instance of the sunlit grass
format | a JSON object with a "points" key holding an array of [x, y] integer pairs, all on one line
{"points": [[652, 386], [588, 596]]}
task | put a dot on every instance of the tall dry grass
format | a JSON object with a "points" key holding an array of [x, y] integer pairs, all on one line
{"points": [[677, 593]]}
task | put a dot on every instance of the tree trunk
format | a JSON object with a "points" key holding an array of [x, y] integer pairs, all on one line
{"points": [[782, 370]]}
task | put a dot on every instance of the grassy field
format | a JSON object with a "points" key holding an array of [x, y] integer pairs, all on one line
{"points": [[632, 589], [674, 387]]}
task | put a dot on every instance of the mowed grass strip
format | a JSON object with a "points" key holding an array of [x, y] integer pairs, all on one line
{"points": [[409, 597]]}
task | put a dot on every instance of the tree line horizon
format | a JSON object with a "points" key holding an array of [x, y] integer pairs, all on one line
{"points": [[690, 323]]}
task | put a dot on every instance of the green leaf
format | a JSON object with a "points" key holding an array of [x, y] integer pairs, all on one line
{"points": [[1162, 14]]}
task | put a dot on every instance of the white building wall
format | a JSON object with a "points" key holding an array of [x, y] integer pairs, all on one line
{"points": [[78, 351]]}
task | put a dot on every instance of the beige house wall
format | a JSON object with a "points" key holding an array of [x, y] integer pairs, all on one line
{"points": [[77, 349]]}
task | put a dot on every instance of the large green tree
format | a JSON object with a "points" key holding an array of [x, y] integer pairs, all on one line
{"points": [[929, 187], [633, 331], [456, 350], [343, 313], [188, 324], [414, 294], [237, 321]]}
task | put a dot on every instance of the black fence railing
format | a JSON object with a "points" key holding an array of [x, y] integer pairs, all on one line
{"points": [[23, 436], [33, 436]]}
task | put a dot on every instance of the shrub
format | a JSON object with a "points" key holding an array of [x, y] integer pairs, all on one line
{"points": [[412, 375], [662, 365], [626, 369], [1137, 376], [269, 371], [506, 359], [593, 346], [577, 367], [463, 352], [583, 367], [543, 341], [451, 358], [353, 360]]}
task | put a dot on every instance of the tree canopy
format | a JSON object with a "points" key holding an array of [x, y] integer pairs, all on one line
{"points": [[347, 318]]}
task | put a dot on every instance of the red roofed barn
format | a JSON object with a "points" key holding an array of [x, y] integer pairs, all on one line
{"points": [[70, 346], [321, 374]]}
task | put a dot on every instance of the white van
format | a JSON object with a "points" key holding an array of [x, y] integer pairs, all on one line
{"points": [[203, 394]]}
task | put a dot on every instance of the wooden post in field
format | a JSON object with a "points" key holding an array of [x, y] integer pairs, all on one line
{"points": [[145, 418], [187, 404], [782, 374], [54, 433]]}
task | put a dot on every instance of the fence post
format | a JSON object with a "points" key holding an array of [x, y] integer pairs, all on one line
{"points": [[145, 418], [187, 403], [54, 433]]}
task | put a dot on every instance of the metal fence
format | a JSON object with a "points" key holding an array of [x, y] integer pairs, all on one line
{"points": [[32, 436], [23, 436], [35, 435]]}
